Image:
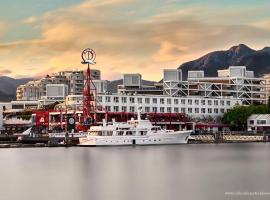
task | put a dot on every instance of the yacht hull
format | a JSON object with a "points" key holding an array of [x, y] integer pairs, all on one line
{"points": [[178, 137]]}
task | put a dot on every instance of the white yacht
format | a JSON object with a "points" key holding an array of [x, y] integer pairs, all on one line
{"points": [[133, 132]]}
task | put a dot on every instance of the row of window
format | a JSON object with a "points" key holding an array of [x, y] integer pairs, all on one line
{"points": [[167, 110], [175, 101]]}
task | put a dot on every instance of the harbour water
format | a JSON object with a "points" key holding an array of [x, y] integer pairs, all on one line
{"points": [[197, 171]]}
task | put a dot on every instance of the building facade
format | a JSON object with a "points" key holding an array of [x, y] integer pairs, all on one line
{"points": [[235, 82]]}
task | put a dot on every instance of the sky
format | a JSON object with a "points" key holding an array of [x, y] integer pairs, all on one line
{"points": [[128, 36]]}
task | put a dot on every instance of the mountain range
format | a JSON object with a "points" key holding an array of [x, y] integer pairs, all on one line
{"points": [[241, 55], [8, 87]]}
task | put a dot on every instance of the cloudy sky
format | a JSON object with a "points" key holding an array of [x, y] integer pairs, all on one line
{"points": [[140, 36]]}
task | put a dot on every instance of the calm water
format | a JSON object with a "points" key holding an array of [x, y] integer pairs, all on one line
{"points": [[129, 173]]}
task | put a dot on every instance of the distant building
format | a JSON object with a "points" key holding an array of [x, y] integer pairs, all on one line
{"points": [[259, 122], [132, 84], [35, 90]]}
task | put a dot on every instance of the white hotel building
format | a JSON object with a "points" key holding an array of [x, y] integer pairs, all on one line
{"points": [[198, 96]]}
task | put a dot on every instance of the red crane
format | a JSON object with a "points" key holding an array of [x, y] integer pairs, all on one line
{"points": [[89, 91]]}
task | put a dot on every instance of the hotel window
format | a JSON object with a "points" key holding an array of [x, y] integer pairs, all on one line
{"points": [[176, 110], [222, 102], [261, 121], [183, 110], [196, 102], [161, 101], [154, 100], [108, 108], [189, 110], [209, 110], [131, 109], [139, 100], [169, 101], [169, 110], [197, 110], [203, 102], [115, 99], [115, 109], [175, 101], [131, 99], [202, 110], [162, 109], [216, 110], [183, 101], [124, 109], [99, 98], [124, 99], [216, 102], [154, 109], [147, 109], [107, 99], [189, 101], [209, 102], [147, 100], [228, 103]]}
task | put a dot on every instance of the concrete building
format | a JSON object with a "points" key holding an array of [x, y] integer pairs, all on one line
{"points": [[101, 86], [235, 82], [132, 84], [35, 90]]}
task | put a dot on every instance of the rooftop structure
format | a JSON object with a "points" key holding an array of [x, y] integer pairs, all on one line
{"points": [[235, 82]]}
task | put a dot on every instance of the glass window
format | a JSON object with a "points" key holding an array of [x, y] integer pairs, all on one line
{"points": [[222, 102], [216, 102], [202, 110], [190, 102], [183, 101], [124, 109], [147, 109], [228, 103], [183, 110], [132, 109], [154, 109], [115, 109], [189, 110], [197, 110], [108, 108], [108, 99], [124, 99], [154, 100], [203, 102], [209, 110], [215, 110], [169, 101], [175, 101], [115, 99], [131, 99], [176, 110], [147, 100], [139, 100], [210, 102], [196, 102], [162, 110], [169, 109], [161, 101]]}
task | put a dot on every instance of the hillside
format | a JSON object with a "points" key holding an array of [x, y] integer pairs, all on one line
{"points": [[258, 61]]}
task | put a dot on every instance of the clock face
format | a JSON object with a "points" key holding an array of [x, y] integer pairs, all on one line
{"points": [[88, 56], [71, 121]]}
